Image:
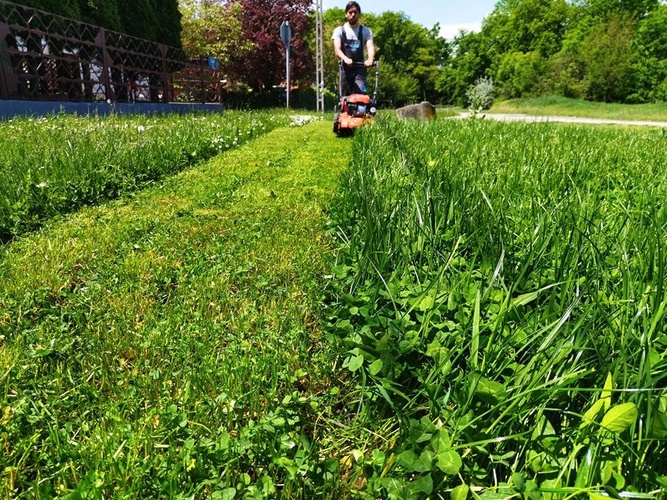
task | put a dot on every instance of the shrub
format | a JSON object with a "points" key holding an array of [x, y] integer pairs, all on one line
{"points": [[480, 95]]}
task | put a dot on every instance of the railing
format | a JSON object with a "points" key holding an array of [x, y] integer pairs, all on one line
{"points": [[45, 57]]}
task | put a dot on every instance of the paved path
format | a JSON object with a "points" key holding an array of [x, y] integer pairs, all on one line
{"points": [[567, 119]]}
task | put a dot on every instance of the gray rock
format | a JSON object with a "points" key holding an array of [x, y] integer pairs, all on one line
{"points": [[422, 111]]}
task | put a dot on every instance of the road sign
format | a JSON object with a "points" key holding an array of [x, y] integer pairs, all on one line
{"points": [[213, 63], [286, 33]]}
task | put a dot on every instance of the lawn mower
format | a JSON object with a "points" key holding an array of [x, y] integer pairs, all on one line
{"points": [[354, 110]]}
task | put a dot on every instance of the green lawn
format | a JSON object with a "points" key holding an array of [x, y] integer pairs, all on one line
{"points": [[444, 309], [562, 106], [170, 345]]}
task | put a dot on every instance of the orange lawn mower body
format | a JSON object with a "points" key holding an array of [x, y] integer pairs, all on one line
{"points": [[354, 110]]}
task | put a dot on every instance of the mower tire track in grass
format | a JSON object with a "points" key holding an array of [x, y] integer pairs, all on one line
{"points": [[170, 345]]}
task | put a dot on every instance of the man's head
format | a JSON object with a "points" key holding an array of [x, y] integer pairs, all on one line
{"points": [[352, 13]]}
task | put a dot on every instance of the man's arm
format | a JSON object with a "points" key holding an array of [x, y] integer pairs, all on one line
{"points": [[370, 48], [370, 53]]}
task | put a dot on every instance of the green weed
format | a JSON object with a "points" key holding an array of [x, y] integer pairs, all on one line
{"points": [[504, 308]]}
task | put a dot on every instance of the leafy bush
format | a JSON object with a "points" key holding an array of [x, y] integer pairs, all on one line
{"points": [[480, 95]]}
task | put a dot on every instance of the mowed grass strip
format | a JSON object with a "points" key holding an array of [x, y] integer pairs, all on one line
{"points": [[54, 165], [171, 346]]}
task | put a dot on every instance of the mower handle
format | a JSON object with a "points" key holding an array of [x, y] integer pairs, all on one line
{"points": [[341, 64], [359, 64]]}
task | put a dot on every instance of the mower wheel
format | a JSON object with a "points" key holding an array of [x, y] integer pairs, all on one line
{"points": [[335, 123]]}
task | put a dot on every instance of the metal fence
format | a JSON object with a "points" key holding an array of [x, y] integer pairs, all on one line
{"points": [[45, 57]]}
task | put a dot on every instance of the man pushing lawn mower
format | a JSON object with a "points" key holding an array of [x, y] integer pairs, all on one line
{"points": [[350, 42]]}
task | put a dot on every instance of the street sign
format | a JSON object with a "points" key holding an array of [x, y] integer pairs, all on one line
{"points": [[213, 63], [286, 33]]}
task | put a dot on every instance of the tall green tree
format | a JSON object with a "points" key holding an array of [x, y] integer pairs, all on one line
{"points": [[410, 50], [139, 19], [397, 88], [212, 28], [608, 54], [169, 22], [331, 19], [102, 13], [651, 57], [610, 50], [527, 26], [470, 62], [156, 20], [601, 10], [66, 8], [513, 48], [520, 74], [565, 72]]}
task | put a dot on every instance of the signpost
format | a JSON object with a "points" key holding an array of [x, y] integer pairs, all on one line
{"points": [[286, 35]]}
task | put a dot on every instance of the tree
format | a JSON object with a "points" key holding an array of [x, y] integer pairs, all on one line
{"points": [[331, 18], [565, 73], [169, 22], [410, 50], [156, 20], [212, 28], [607, 52], [470, 63], [397, 88], [66, 8], [601, 10], [424, 69], [263, 66], [527, 26], [651, 61], [521, 73], [102, 13]]}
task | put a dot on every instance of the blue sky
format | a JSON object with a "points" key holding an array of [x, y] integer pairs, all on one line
{"points": [[452, 15]]}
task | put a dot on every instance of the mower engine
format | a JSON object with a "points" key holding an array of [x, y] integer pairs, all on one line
{"points": [[358, 106]]}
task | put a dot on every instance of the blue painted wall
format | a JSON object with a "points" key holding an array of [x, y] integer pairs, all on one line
{"points": [[10, 109]]}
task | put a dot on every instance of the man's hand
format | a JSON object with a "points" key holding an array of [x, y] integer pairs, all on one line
{"points": [[347, 60], [368, 62]]}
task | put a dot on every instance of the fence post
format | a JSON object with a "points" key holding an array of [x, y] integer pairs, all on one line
{"points": [[5, 63], [165, 74], [101, 42], [203, 62]]}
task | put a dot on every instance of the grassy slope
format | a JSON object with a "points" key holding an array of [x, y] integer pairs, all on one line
{"points": [[171, 344], [562, 106]]}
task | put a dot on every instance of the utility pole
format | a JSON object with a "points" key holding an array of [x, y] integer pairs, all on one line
{"points": [[319, 56]]}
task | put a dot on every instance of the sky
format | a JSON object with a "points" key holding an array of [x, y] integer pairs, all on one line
{"points": [[452, 15]]}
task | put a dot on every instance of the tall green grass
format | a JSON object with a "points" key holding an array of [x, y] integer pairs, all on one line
{"points": [[505, 305], [52, 165]]}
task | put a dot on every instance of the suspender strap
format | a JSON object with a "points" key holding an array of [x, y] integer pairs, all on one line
{"points": [[360, 37]]}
